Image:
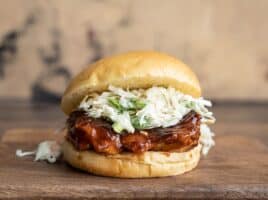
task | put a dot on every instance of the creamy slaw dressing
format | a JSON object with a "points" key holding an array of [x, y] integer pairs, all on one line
{"points": [[163, 107], [46, 150]]}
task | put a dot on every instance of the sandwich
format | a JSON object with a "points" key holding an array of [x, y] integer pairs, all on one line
{"points": [[136, 115]]}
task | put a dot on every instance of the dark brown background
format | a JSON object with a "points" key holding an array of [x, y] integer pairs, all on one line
{"points": [[44, 43]]}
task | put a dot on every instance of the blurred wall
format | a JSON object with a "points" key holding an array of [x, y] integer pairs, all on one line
{"points": [[43, 43]]}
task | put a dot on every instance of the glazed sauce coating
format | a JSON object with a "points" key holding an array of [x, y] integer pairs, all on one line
{"points": [[97, 134]]}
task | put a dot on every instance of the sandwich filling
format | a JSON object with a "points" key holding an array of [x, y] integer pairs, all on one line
{"points": [[157, 119]]}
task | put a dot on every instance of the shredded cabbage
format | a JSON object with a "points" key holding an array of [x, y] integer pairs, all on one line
{"points": [[46, 150], [144, 109], [206, 138]]}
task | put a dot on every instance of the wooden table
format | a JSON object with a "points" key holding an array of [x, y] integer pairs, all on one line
{"points": [[236, 168]]}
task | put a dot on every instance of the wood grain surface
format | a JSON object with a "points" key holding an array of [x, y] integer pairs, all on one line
{"points": [[236, 167]]}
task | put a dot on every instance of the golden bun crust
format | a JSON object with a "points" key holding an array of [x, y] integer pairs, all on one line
{"points": [[128, 165], [132, 70]]}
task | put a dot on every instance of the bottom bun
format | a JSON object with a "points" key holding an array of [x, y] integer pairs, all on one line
{"points": [[129, 165]]}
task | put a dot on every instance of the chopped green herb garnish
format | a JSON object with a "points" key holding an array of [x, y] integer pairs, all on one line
{"points": [[114, 102], [138, 103], [136, 123], [117, 127]]}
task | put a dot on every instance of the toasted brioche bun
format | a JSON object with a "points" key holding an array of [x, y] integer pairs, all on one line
{"points": [[140, 69], [129, 165]]}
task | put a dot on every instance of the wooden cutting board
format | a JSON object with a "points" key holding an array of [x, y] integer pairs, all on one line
{"points": [[236, 168]]}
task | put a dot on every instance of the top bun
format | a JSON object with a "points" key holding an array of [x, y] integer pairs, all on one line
{"points": [[132, 70]]}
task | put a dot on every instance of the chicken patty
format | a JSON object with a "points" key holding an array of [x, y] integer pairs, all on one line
{"points": [[97, 134]]}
